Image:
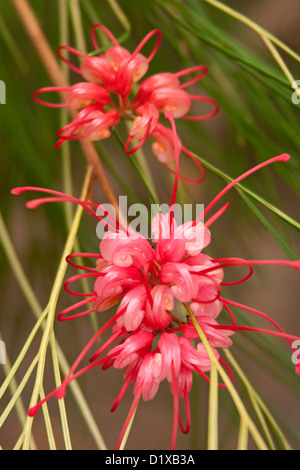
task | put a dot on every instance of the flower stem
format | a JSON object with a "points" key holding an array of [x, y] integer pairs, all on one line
{"points": [[123, 19], [51, 310], [129, 421], [19, 390], [19, 406], [280, 62], [17, 269], [243, 436], [77, 25], [65, 149], [230, 387], [61, 403], [254, 396], [48, 424], [212, 441], [21, 356], [251, 24]]}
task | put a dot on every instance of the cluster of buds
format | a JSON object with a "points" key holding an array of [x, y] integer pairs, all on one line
{"points": [[113, 91]]}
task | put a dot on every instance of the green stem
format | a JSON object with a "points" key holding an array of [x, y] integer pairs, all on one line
{"points": [[123, 19], [19, 390], [243, 436], [61, 403], [230, 387], [65, 149], [136, 165], [128, 429], [254, 395], [22, 354], [48, 424], [13, 386], [258, 29], [51, 312], [77, 25], [17, 268], [212, 441]]}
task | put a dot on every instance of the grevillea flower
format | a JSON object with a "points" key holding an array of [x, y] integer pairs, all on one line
{"points": [[154, 282], [107, 96]]}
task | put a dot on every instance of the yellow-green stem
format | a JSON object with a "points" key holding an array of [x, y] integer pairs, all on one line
{"points": [[281, 63], [22, 354], [261, 31], [19, 390], [48, 424], [124, 440], [52, 306], [229, 385], [243, 436], [61, 403], [120, 14], [254, 395], [212, 440]]}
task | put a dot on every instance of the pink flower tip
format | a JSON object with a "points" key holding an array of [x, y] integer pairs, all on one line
{"points": [[284, 157], [168, 114], [60, 393], [16, 191], [32, 204], [32, 411]]}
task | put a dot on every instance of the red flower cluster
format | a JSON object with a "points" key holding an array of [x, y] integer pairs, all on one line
{"points": [[108, 96], [150, 281]]}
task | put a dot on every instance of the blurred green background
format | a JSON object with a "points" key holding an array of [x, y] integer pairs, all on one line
{"points": [[257, 120]]}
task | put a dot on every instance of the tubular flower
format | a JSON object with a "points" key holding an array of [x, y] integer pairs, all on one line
{"points": [[153, 282], [106, 97]]}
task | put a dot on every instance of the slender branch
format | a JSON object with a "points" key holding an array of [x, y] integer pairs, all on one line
{"points": [[48, 424], [61, 403], [257, 398], [17, 268], [243, 436], [13, 386], [251, 24], [20, 358], [51, 311], [280, 62], [120, 14], [212, 440], [230, 387], [19, 390], [77, 24]]}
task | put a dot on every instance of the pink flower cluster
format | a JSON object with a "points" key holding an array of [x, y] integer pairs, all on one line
{"points": [[112, 92], [158, 285]]}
